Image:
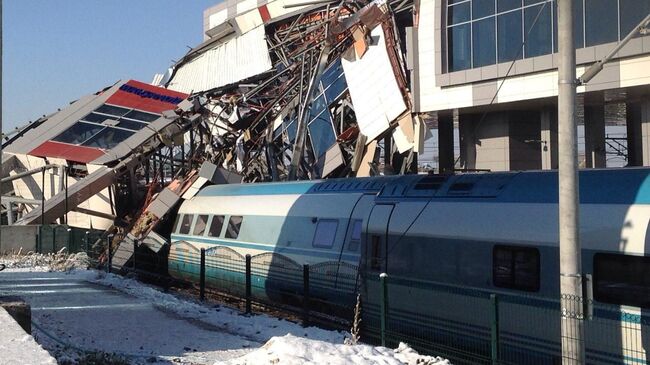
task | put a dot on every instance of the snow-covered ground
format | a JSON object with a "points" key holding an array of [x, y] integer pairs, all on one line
{"points": [[76, 312]]}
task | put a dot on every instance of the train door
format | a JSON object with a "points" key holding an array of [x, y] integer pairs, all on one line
{"points": [[375, 249]]}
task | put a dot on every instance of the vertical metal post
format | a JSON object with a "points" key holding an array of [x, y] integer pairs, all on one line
{"points": [[135, 248], [54, 238], [305, 295], [86, 243], [65, 181], [248, 284], [572, 330], [43, 196], [171, 161], [383, 305], [202, 276], [494, 329], [109, 254]]}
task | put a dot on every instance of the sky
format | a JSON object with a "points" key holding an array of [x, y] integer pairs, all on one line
{"points": [[55, 51]]}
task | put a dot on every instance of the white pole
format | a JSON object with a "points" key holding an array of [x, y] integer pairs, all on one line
{"points": [[570, 266]]}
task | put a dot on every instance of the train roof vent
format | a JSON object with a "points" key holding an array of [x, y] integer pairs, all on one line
{"points": [[362, 185], [430, 182], [479, 185]]}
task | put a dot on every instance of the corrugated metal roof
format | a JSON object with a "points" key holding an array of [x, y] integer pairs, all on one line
{"points": [[237, 59]]}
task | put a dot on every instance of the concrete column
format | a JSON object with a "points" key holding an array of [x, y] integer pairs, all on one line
{"points": [[445, 143], [548, 138], [634, 134], [645, 131], [467, 136], [595, 136]]}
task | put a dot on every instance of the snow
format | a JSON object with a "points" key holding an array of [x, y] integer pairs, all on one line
{"points": [[17, 347], [78, 311]]}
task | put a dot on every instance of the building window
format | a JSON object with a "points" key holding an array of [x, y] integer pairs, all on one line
{"points": [[215, 226], [515, 267], [622, 279], [186, 223], [325, 233], [199, 226], [234, 224], [483, 32]]}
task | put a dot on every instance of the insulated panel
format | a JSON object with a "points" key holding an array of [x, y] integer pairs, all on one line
{"points": [[237, 59], [375, 94]]}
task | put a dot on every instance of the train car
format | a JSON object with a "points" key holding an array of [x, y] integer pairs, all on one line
{"points": [[449, 245]]}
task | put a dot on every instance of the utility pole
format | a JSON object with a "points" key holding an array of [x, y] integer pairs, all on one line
{"points": [[1, 134], [570, 267]]}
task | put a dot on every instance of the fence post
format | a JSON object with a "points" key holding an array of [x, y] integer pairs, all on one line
{"points": [[54, 239], [383, 305], [135, 248], [108, 253], [87, 248], [305, 295], [38, 240], [202, 276], [494, 329], [248, 284]]}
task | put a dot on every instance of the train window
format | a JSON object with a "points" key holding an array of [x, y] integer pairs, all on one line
{"points": [[186, 223], [215, 226], [515, 267], [355, 236], [325, 233], [199, 226], [622, 279], [234, 223]]}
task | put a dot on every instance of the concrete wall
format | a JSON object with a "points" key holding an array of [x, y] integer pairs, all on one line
{"points": [[16, 237]]}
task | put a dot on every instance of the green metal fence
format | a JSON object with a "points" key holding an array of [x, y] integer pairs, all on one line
{"points": [[471, 326], [53, 238]]}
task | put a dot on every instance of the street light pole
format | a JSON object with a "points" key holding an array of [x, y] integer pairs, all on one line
{"points": [[572, 331]]}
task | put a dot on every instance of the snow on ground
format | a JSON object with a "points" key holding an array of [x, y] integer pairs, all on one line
{"points": [[240, 339]]}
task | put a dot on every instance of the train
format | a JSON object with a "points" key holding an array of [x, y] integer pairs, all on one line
{"points": [[449, 245]]}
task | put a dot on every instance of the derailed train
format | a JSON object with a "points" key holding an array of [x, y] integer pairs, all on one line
{"points": [[447, 243]]}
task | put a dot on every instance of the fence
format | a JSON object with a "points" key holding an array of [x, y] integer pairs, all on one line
{"points": [[53, 238], [471, 326], [322, 293]]}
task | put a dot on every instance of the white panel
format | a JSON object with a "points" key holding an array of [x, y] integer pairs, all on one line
{"points": [[375, 94], [218, 18], [237, 59], [249, 21]]}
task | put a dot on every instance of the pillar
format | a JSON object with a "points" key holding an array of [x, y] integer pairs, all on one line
{"points": [[548, 138], [445, 143], [467, 137], [634, 134], [595, 136]]}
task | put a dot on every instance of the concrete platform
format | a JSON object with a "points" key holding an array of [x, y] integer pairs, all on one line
{"points": [[17, 347]]}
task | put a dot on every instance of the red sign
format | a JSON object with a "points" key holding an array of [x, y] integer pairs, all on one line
{"points": [[138, 95], [68, 151]]}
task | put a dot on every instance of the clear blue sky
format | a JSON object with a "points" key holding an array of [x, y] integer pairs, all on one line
{"points": [[56, 51]]}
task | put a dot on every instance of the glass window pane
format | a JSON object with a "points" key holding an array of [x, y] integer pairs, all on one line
{"points": [[325, 233], [632, 12], [356, 230], [516, 268], [509, 36], [459, 47], [78, 133], [505, 5], [199, 226], [622, 279], [577, 24], [215, 226], [484, 42], [321, 134], [186, 223], [481, 8], [130, 124], [539, 35], [142, 116], [234, 224], [108, 138], [112, 110], [95, 118], [601, 21], [531, 2], [458, 13]]}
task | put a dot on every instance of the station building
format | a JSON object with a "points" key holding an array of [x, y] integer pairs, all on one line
{"points": [[468, 70]]}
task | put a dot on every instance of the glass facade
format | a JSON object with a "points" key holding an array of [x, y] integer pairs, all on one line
{"points": [[485, 32], [106, 127]]}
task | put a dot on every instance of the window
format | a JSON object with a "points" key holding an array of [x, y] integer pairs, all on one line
{"points": [[632, 12], [215, 226], [141, 116], [234, 224], [538, 41], [458, 41], [112, 110], [321, 134], [78, 133], [199, 226], [601, 23], [622, 279], [355, 235], [484, 44], [186, 223], [325, 233], [509, 36], [515, 267], [108, 138]]}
